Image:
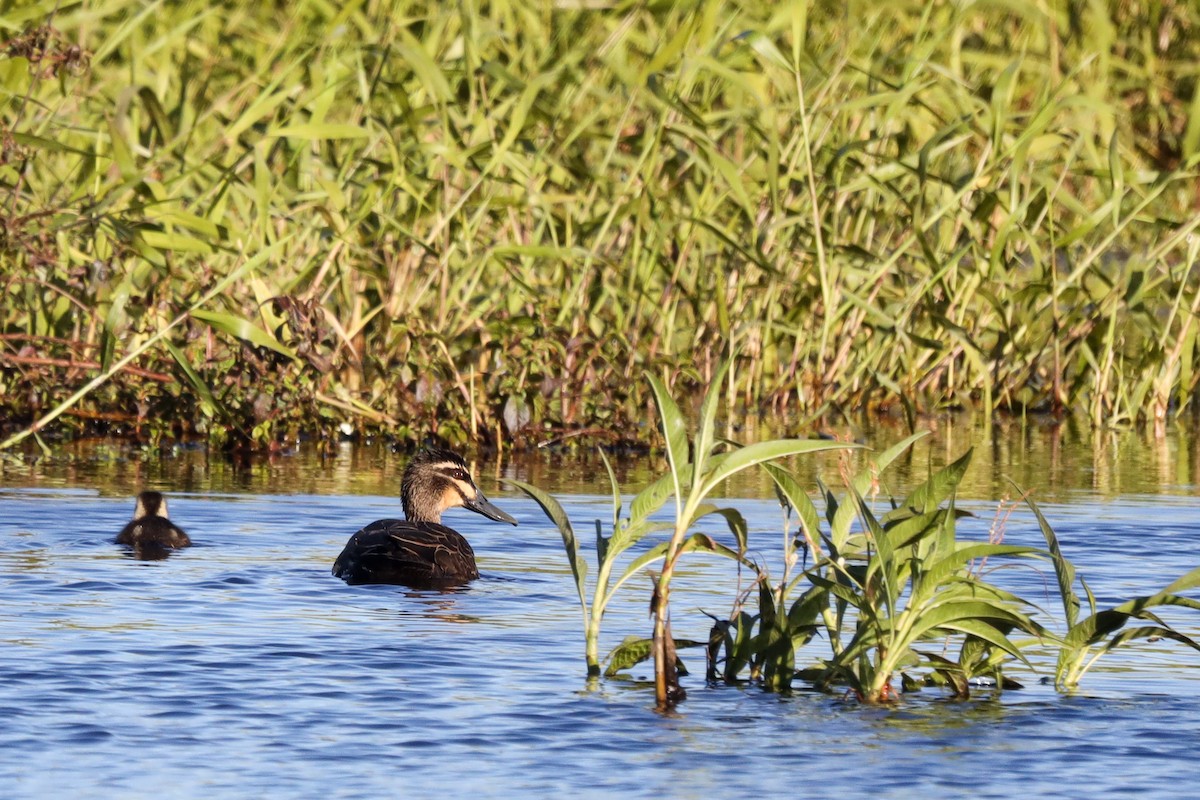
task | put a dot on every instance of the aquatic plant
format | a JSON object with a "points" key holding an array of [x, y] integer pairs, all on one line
{"points": [[1088, 638], [626, 532], [696, 467], [910, 584], [903, 584], [765, 643], [915, 587], [899, 596]]}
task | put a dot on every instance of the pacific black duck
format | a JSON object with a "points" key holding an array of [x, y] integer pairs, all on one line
{"points": [[419, 550]]}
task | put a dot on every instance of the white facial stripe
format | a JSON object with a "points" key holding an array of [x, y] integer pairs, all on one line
{"points": [[447, 470]]}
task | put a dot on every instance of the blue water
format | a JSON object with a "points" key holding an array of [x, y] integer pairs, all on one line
{"points": [[241, 668]]}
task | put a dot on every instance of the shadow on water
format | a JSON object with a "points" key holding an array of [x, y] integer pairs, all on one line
{"points": [[241, 667]]}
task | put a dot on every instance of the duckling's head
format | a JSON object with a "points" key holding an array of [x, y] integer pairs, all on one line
{"points": [[436, 480], [150, 504]]}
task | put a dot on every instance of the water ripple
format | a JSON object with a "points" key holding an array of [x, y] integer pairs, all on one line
{"points": [[241, 667]]}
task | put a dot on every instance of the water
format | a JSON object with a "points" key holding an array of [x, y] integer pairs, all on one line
{"points": [[241, 668]]}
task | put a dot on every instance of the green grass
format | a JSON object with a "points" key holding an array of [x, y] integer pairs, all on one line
{"points": [[485, 221]]}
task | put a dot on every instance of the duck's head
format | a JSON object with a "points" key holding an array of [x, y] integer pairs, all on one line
{"points": [[150, 504], [436, 480]]}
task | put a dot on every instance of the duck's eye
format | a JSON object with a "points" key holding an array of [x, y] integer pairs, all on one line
{"points": [[461, 475]]}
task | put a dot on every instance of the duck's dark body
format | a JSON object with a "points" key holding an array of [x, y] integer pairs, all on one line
{"points": [[153, 531], [419, 551], [150, 534], [412, 553]]}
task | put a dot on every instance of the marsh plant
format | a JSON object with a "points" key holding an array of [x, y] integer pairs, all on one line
{"points": [[904, 594], [894, 593], [697, 466], [1100, 631], [503, 212], [902, 585]]}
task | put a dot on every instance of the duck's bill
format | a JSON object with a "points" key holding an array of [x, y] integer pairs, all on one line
{"points": [[484, 506]]}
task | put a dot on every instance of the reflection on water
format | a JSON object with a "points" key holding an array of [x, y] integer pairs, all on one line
{"points": [[240, 667], [1057, 459]]}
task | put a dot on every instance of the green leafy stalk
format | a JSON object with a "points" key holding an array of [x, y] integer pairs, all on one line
{"points": [[1101, 631], [246, 267]]}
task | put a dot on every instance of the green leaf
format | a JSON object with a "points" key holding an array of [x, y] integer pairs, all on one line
{"points": [[792, 496], [695, 542], [627, 534], [633, 651], [263, 106], [185, 220], [708, 415], [15, 78], [539, 251], [651, 499], [319, 130], [40, 143], [981, 609], [1063, 569], [850, 591], [733, 174], [173, 241], [1149, 632], [616, 502], [121, 152], [733, 518], [412, 52], [515, 123], [883, 561], [989, 633], [1116, 171], [914, 530], [193, 377], [242, 329], [929, 495], [937, 572], [114, 322], [738, 635], [1184, 582], [804, 612], [629, 653], [841, 515], [767, 50], [754, 454], [675, 432], [554, 511]]}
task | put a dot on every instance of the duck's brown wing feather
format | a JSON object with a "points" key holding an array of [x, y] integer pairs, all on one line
{"points": [[409, 553]]}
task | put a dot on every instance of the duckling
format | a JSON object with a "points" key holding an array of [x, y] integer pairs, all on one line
{"points": [[150, 532], [419, 551]]}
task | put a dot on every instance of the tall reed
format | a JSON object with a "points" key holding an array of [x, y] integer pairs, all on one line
{"points": [[491, 217]]}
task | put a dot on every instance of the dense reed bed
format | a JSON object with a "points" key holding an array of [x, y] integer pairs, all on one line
{"points": [[484, 221]]}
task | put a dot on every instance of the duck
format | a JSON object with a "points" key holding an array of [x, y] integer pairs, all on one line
{"points": [[419, 551], [151, 534]]}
